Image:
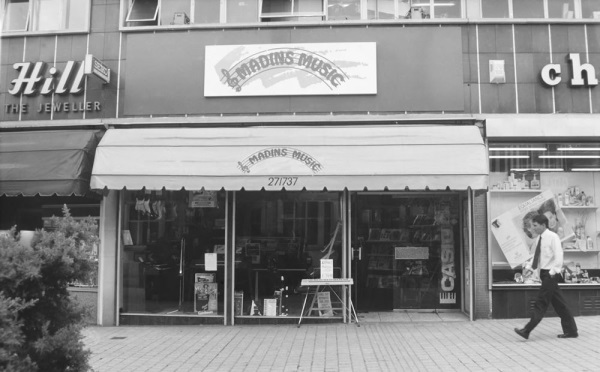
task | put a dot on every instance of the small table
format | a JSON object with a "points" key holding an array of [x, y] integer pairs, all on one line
{"points": [[317, 283]]}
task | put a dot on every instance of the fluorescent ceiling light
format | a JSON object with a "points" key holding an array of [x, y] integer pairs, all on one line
{"points": [[509, 156], [569, 156], [585, 169], [578, 149], [434, 4], [518, 149], [538, 169]]}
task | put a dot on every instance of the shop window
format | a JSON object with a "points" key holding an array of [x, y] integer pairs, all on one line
{"points": [[173, 253], [559, 180], [46, 15], [281, 238], [291, 10]]}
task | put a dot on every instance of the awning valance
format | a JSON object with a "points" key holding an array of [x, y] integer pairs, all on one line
{"points": [[47, 162], [376, 157]]}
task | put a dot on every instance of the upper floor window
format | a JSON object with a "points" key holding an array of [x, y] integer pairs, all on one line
{"points": [[45, 15], [182, 12], [566, 9]]}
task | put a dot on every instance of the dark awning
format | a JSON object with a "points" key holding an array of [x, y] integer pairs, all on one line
{"points": [[47, 162]]}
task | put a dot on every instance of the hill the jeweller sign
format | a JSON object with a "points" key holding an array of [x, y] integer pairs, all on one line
{"points": [[290, 69], [34, 78]]}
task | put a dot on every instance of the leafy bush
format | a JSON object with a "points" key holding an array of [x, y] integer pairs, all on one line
{"points": [[40, 326]]}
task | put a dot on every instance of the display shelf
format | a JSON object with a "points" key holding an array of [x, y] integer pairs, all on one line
{"points": [[590, 207], [581, 251]]}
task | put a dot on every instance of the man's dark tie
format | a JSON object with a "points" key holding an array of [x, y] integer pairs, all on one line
{"points": [[536, 256]]}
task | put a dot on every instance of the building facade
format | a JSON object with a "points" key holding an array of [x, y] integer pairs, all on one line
{"points": [[239, 149]]}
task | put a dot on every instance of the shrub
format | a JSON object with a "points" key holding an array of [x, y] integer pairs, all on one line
{"points": [[41, 323]]}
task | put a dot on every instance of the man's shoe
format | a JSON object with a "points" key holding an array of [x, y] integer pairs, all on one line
{"points": [[523, 333], [568, 335]]}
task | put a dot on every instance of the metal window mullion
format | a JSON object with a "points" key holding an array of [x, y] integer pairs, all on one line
{"points": [[510, 9], [546, 9], [29, 16], [157, 12]]}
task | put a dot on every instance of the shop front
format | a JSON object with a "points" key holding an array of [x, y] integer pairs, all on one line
{"points": [[221, 225], [544, 167]]}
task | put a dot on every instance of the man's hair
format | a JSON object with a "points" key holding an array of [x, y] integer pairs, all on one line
{"points": [[541, 220]]}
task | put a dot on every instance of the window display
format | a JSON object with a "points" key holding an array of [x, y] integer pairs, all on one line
{"points": [[280, 239], [557, 180], [173, 252]]}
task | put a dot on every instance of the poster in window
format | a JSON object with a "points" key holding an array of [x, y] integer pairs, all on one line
{"points": [[205, 297], [514, 233]]}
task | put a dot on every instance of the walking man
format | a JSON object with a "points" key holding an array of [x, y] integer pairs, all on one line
{"points": [[548, 258]]}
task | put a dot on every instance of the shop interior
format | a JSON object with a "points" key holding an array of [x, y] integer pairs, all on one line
{"points": [[168, 237], [280, 239], [408, 251]]}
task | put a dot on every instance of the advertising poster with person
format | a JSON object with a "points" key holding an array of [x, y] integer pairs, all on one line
{"points": [[512, 229]]}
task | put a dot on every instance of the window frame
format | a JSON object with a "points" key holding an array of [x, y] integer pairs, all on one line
{"points": [[32, 25], [577, 11], [292, 14], [5, 12], [155, 18]]}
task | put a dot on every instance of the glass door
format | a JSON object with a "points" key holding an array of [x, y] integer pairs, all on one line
{"points": [[406, 251]]}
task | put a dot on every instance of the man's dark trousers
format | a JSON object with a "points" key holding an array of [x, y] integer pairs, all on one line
{"points": [[550, 294]]}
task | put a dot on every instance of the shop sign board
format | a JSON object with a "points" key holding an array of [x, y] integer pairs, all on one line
{"points": [[93, 66], [290, 69], [513, 231], [37, 78], [551, 72]]}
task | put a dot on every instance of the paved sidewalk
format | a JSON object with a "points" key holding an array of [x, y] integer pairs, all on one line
{"points": [[483, 345]]}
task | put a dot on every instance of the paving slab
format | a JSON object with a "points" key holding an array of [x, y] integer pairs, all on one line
{"points": [[421, 344]]}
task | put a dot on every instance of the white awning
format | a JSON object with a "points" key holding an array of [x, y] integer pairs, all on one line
{"points": [[376, 157]]}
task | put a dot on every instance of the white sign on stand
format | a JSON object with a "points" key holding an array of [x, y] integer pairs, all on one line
{"points": [[326, 269]]}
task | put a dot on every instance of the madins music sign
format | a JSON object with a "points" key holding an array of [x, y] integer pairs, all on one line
{"points": [[290, 69]]}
